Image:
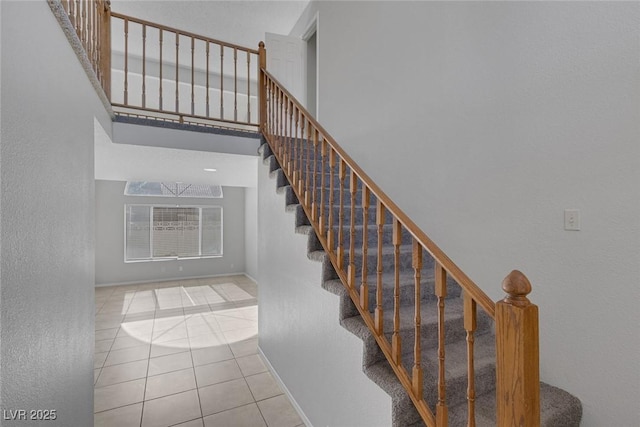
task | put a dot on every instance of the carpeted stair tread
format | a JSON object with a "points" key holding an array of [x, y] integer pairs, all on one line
{"points": [[372, 234], [455, 366], [388, 259], [557, 409], [428, 315], [407, 290], [388, 218], [382, 374]]}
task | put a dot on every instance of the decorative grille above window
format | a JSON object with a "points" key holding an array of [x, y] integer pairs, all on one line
{"points": [[172, 189]]}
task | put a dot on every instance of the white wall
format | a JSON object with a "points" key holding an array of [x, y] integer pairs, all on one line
{"points": [[318, 360], [110, 265], [484, 121], [0, 209], [251, 232], [46, 211]]}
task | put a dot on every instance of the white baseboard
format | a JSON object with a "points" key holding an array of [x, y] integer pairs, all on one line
{"points": [[250, 278], [138, 282], [297, 407]]}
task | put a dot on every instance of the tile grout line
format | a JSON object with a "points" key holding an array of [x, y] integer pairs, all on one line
{"points": [[144, 392], [193, 368]]}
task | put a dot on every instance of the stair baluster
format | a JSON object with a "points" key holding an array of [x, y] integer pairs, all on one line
{"points": [[193, 76], [351, 270], [470, 325], [300, 122], [144, 65], [341, 176], [291, 148], [221, 82], [308, 181], [417, 375], [293, 143], [281, 127], [379, 313], [177, 74], [321, 218], [330, 233], [364, 287], [248, 86], [160, 67], [206, 89], [396, 345], [235, 84], [126, 61], [314, 198], [441, 294]]}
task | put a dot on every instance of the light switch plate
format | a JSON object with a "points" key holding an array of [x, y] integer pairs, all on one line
{"points": [[572, 219]]}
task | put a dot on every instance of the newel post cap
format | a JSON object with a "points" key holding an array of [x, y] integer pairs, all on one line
{"points": [[517, 287], [261, 44]]}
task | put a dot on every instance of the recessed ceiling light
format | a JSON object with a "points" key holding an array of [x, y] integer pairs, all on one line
{"points": [[209, 170]]}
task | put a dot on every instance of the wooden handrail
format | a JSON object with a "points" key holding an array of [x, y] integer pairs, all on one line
{"points": [[293, 135], [183, 33], [452, 269]]}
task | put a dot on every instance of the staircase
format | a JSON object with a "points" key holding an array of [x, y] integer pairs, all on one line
{"points": [[558, 408], [428, 331]]}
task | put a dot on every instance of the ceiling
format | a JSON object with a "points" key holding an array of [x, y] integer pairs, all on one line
{"points": [[125, 162], [237, 21]]}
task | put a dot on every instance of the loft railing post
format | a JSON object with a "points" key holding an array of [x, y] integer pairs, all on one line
{"points": [[262, 65], [105, 47], [517, 355]]}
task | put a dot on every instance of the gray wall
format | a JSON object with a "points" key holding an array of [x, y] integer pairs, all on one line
{"points": [[47, 219], [251, 231], [300, 334], [110, 265], [484, 121]]}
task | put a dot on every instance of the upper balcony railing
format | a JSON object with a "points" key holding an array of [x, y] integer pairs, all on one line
{"points": [[152, 70], [163, 70], [168, 73], [92, 22]]}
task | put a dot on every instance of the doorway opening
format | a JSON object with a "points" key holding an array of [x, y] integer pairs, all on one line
{"points": [[310, 37], [312, 78]]}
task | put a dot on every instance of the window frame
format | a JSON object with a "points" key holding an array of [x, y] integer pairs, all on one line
{"points": [[172, 258]]}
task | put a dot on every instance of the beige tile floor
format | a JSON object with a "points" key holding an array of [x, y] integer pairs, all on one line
{"points": [[184, 353]]}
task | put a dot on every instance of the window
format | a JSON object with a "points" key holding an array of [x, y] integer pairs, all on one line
{"points": [[172, 232]]}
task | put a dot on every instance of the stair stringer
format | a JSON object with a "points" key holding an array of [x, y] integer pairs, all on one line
{"points": [[353, 399], [403, 412]]}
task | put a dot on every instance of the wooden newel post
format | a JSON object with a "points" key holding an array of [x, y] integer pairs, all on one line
{"points": [[105, 47], [517, 355], [262, 65]]}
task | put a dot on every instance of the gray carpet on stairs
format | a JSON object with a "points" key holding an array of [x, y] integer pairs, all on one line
{"points": [[559, 408]]}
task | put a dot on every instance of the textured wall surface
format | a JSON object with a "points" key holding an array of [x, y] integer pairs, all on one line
{"points": [[318, 360], [47, 219], [110, 265], [251, 231], [484, 121]]}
